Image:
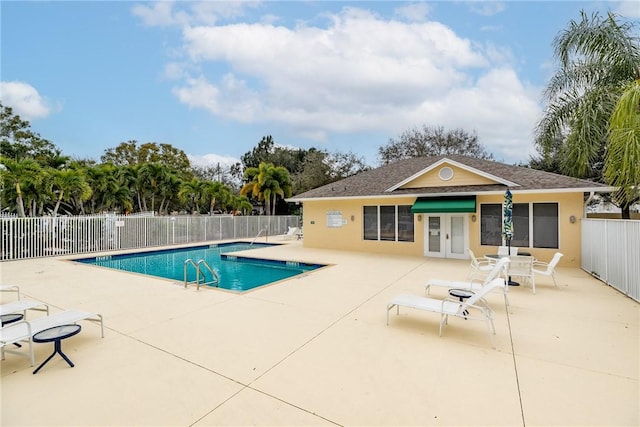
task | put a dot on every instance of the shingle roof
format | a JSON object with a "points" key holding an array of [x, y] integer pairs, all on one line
{"points": [[377, 181]]}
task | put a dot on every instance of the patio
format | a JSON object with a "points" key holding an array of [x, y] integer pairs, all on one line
{"points": [[316, 350]]}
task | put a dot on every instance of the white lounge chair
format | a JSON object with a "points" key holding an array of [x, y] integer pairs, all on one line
{"points": [[451, 307], [548, 269], [497, 269], [10, 288], [291, 233], [26, 329], [478, 267], [22, 306]]}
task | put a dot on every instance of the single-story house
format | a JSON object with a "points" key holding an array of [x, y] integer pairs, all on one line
{"points": [[439, 206]]}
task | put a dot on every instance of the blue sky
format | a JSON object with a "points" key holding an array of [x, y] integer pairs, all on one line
{"points": [[212, 78]]}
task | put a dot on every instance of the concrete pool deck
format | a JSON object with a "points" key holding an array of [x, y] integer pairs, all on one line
{"points": [[316, 350]]}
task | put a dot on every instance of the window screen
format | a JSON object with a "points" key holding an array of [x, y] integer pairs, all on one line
{"points": [[545, 225]]}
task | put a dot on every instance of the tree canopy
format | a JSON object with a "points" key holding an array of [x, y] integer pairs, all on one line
{"points": [[431, 141], [599, 61]]}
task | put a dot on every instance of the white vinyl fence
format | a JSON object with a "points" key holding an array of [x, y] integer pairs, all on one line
{"points": [[48, 236], [611, 252]]}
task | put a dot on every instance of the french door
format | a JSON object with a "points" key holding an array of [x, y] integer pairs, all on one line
{"points": [[446, 235]]}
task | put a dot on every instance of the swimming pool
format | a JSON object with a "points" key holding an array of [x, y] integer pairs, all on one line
{"points": [[237, 273]]}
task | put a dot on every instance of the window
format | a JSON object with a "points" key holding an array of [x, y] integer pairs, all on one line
{"points": [[536, 220], [405, 224], [370, 222], [389, 223], [520, 218], [545, 225], [491, 224]]}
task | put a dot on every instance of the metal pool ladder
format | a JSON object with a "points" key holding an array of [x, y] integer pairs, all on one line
{"points": [[266, 230], [200, 275]]}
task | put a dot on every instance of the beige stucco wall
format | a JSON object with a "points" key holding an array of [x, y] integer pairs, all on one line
{"points": [[349, 236]]}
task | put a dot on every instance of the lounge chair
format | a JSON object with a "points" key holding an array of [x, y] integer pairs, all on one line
{"points": [[26, 329], [451, 307], [473, 285], [10, 288], [478, 267], [22, 306], [290, 234], [548, 269]]}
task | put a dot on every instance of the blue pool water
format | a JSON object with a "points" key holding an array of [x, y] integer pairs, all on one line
{"points": [[235, 272]]}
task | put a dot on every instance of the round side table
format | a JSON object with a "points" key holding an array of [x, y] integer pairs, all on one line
{"points": [[56, 335]]}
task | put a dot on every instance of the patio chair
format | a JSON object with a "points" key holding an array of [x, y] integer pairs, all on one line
{"points": [[290, 234], [478, 267], [11, 288], [22, 306], [548, 268], [26, 329], [452, 307], [497, 269], [522, 267], [503, 250]]}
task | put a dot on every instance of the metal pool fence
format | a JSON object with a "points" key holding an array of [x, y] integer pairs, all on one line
{"points": [[36, 237]]}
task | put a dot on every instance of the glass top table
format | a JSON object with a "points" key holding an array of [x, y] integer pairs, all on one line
{"points": [[56, 335]]}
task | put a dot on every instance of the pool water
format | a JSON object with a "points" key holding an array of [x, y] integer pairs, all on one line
{"points": [[235, 272]]}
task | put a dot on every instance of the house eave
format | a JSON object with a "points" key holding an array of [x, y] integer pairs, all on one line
{"points": [[462, 193]]}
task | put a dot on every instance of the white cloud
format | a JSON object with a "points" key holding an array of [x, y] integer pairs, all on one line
{"points": [[171, 13], [212, 160], [25, 100], [358, 73], [416, 12], [486, 8], [160, 14], [628, 9]]}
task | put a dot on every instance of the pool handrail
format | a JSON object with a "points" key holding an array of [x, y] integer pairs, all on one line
{"points": [[200, 273]]}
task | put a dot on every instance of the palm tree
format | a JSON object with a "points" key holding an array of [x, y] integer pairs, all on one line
{"points": [[69, 185], [169, 188], [17, 174], [241, 204], [191, 193], [622, 161], [252, 184], [599, 58], [216, 192], [267, 182], [151, 176]]}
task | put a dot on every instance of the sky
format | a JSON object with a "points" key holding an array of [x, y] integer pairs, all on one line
{"points": [[212, 78]]}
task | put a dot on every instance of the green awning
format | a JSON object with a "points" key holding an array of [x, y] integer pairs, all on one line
{"points": [[444, 204]]}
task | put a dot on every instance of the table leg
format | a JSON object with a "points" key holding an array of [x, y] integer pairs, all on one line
{"points": [[57, 349]]}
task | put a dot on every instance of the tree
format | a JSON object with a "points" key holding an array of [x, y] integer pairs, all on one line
{"points": [[69, 184], [191, 193], [129, 153], [152, 176], [267, 182], [622, 161], [241, 204], [16, 175], [431, 141], [598, 59], [343, 165], [18, 141], [216, 192]]}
